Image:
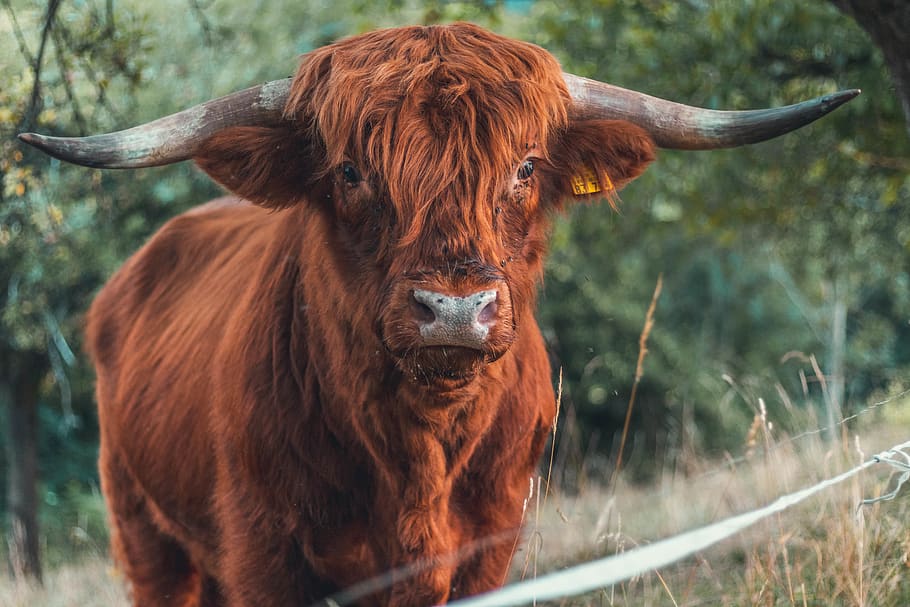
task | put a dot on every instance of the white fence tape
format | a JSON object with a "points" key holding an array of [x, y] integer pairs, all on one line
{"points": [[618, 568]]}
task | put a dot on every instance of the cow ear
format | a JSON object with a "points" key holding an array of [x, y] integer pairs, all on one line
{"points": [[597, 158], [269, 166]]}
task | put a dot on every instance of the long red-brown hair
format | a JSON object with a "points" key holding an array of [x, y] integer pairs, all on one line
{"points": [[421, 121]]}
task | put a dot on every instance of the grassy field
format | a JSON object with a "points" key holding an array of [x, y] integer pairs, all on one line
{"points": [[92, 582], [825, 551]]}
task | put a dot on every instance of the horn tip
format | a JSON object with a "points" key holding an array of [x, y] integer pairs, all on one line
{"points": [[33, 139], [61, 149], [835, 100], [49, 145], [52, 146]]}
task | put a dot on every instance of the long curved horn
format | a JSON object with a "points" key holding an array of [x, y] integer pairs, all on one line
{"points": [[672, 125], [172, 138], [682, 127]]}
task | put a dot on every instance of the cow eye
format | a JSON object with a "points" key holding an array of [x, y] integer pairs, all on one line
{"points": [[526, 169], [350, 174]]}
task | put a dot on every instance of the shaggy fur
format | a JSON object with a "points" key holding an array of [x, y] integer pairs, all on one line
{"points": [[272, 429]]}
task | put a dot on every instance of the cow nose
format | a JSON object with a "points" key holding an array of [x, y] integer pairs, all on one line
{"points": [[446, 320]]}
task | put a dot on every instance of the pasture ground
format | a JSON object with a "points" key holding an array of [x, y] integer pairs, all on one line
{"points": [[825, 551]]}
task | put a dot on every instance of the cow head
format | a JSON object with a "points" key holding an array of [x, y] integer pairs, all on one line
{"points": [[436, 154]]}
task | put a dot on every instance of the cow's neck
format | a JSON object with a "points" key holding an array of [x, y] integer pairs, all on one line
{"points": [[419, 444]]}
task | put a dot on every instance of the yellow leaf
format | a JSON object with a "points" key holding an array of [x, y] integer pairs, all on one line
{"points": [[56, 214], [20, 189], [47, 116]]}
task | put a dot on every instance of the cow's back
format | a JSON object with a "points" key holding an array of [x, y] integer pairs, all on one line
{"points": [[153, 332]]}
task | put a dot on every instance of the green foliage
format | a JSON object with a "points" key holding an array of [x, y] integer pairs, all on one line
{"points": [[751, 242], [74, 522]]}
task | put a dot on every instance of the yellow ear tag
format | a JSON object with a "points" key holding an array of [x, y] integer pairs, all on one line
{"points": [[588, 183]]}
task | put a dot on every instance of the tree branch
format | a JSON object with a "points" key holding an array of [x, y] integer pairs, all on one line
{"points": [[17, 31], [62, 35], [32, 112], [204, 23], [67, 85], [888, 24]]}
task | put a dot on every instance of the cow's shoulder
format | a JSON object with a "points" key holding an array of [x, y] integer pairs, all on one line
{"points": [[191, 272]]}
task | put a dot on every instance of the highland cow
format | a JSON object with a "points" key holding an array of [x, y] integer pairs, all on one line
{"points": [[336, 372]]}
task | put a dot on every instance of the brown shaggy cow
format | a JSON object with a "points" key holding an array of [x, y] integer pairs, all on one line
{"points": [[337, 373]]}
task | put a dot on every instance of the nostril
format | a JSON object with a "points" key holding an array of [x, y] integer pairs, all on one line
{"points": [[487, 315], [422, 313]]}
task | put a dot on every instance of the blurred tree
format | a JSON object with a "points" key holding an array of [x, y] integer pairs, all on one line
{"points": [[888, 23], [765, 250], [21, 375], [69, 60]]}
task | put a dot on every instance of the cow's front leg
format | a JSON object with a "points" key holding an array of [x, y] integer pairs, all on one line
{"points": [[262, 563], [419, 542], [486, 570], [424, 557]]}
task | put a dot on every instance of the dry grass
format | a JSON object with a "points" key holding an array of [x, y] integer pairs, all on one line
{"points": [[825, 551], [90, 583], [822, 552]]}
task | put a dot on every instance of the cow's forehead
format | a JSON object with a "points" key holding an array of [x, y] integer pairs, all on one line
{"points": [[430, 109]]}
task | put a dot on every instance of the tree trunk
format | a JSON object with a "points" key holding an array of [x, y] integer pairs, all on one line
{"points": [[19, 398], [888, 24]]}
